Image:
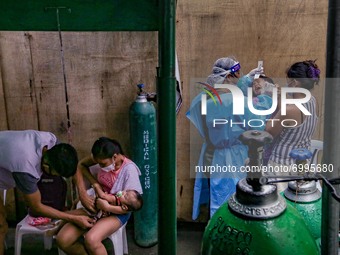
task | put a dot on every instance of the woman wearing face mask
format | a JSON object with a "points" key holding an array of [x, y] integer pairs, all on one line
{"points": [[299, 127], [116, 173]]}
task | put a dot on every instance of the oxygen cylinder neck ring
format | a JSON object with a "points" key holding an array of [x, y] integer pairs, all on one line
{"points": [[257, 204], [141, 99], [302, 191]]}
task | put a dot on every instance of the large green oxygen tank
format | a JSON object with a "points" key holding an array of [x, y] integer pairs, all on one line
{"points": [[256, 220], [143, 138], [305, 196]]}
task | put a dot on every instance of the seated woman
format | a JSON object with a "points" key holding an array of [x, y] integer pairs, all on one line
{"points": [[117, 173], [299, 128]]}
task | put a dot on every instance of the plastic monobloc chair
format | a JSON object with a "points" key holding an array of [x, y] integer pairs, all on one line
{"points": [[4, 200], [24, 228], [316, 148]]}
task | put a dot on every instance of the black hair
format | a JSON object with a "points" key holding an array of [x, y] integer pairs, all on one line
{"points": [[63, 159], [266, 78], [306, 72], [105, 147], [137, 202]]}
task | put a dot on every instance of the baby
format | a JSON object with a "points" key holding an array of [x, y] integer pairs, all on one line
{"points": [[122, 201]]}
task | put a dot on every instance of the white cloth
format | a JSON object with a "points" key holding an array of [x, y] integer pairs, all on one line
{"points": [[21, 151]]}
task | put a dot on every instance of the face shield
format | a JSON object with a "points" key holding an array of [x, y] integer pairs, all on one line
{"points": [[219, 74], [235, 68]]}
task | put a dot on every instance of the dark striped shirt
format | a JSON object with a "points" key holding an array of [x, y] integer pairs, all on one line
{"points": [[295, 137]]}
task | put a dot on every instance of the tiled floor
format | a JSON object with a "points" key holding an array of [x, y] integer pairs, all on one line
{"points": [[189, 236]]}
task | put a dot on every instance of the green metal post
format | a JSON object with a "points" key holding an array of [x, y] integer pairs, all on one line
{"points": [[330, 207], [166, 92]]}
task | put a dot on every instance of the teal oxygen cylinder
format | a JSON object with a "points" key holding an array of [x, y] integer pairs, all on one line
{"points": [[256, 220], [304, 195], [143, 139]]}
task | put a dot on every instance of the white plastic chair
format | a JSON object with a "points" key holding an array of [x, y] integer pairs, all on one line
{"points": [[4, 200], [316, 148], [24, 228], [4, 196], [119, 241]]}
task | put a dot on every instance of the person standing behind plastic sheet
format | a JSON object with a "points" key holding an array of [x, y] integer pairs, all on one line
{"points": [[221, 147], [299, 132]]}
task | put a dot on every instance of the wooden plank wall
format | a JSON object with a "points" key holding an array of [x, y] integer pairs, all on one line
{"points": [[102, 69]]}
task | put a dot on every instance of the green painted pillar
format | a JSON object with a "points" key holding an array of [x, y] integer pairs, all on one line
{"points": [[330, 207], [166, 92]]}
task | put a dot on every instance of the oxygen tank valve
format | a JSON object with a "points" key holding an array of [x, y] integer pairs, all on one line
{"points": [[255, 140], [300, 155], [141, 92], [302, 190], [149, 96]]}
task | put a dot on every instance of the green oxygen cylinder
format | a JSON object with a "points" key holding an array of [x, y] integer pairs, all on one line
{"points": [[304, 195], [143, 139], [256, 220]]}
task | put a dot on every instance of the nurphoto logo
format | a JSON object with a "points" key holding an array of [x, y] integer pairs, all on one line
{"points": [[238, 104]]}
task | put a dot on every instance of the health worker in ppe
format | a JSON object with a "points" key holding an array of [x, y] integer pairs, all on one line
{"points": [[221, 147]]}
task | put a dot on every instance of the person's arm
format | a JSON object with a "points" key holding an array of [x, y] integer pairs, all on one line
{"points": [[273, 125], [110, 198], [33, 200], [83, 171], [105, 206], [99, 191], [293, 117]]}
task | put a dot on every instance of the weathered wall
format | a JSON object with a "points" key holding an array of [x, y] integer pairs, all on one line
{"points": [[102, 69]]}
